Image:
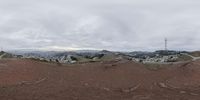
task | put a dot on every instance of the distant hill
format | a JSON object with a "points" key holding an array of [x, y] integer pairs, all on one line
{"points": [[104, 55]]}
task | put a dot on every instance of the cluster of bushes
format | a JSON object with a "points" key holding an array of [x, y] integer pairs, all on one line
{"points": [[93, 56]]}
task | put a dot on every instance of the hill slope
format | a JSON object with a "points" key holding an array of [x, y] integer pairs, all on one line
{"points": [[109, 80]]}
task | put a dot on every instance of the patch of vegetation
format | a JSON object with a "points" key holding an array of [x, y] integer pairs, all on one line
{"points": [[96, 58], [8, 56], [195, 53], [107, 57], [74, 58], [5, 55], [184, 58], [83, 59], [36, 59], [2, 52]]}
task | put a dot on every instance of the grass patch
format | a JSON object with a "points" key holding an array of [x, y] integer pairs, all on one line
{"points": [[195, 53], [82, 59], [5, 55], [36, 59], [108, 57], [184, 58]]}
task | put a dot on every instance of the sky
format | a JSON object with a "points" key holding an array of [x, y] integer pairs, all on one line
{"points": [[120, 25]]}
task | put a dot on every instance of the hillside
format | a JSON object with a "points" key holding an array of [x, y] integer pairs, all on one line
{"points": [[108, 80], [6, 55], [195, 53], [71, 57]]}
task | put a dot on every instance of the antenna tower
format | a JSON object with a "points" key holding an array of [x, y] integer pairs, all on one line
{"points": [[165, 44]]}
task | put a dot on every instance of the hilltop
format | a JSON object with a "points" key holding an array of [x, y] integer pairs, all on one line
{"points": [[26, 79], [100, 75]]}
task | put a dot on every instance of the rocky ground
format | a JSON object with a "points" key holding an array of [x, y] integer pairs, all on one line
{"points": [[23, 79]]}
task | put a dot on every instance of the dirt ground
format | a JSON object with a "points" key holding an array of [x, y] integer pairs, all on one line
{"points": [[22, 79]]}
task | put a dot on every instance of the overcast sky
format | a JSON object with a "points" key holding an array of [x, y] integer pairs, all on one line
{"points": [[128, 25]]}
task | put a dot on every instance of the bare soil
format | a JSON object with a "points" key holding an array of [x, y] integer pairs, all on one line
{"points": [[22, 79]]}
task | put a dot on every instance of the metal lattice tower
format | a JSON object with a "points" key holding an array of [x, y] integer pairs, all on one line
{"points": [[165, 44]]}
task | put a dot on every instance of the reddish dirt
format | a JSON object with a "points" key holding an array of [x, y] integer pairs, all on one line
{"points": [[22, 79]]}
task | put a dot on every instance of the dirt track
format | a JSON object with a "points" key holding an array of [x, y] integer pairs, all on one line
{"points": [[32, 80]]}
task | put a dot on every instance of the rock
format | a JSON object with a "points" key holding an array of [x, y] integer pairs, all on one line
{"points": [[194, 94], [182, 92], [162, 85], [130, 89], [86, 84], [107, 89]]}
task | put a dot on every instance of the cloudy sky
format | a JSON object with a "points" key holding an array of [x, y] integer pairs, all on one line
{"points": [[124, 25]]}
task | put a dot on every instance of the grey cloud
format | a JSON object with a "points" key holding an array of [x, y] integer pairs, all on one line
{"points": [[100, 24]]}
